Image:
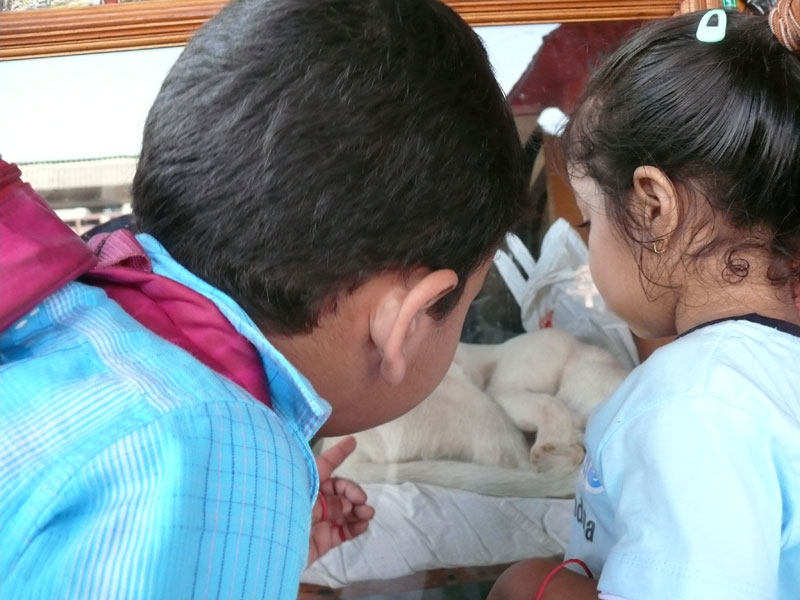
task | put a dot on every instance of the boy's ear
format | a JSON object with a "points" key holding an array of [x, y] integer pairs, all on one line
{"points": [[658, 201], [399, 322]]}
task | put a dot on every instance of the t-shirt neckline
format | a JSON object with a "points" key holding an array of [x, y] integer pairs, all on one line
{"points": [[779, 324]]}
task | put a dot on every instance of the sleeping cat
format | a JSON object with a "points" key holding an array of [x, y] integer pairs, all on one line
{"points": [[470, 433]]}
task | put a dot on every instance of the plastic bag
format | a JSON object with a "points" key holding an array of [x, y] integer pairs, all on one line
{"points": [[558, 291]]}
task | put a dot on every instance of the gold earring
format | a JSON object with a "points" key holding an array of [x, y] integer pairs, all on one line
{"points": [[659, 246]]}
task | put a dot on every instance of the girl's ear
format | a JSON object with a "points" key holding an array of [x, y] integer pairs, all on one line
{"points": [[399, 323], [657, 202]]}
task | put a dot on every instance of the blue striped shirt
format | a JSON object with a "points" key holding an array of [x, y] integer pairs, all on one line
{"points": [[128, 469]]}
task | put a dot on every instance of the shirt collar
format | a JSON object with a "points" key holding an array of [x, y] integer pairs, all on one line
{"points": [[292, 395]]}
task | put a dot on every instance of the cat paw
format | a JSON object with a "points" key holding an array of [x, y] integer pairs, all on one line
{"points": [[546, 457]]}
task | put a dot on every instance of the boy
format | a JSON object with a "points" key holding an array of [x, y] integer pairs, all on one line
{"points": [[321, 187]]}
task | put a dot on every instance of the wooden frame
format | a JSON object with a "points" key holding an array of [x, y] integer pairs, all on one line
{"points": [[160, 23]]}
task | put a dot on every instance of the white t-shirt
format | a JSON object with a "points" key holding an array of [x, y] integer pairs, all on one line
{"points": [[691, 483]]}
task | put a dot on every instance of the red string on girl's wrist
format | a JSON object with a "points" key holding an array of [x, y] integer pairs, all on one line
{"points": [[556, 569]]}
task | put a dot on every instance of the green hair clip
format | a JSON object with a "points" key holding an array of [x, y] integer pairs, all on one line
{"points": [[706, 32]]}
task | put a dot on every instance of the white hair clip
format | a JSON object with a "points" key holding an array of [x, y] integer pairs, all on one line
{"points": [[706, 32]]}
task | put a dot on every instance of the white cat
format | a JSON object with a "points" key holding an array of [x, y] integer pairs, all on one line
{"points": [[470, 433]]}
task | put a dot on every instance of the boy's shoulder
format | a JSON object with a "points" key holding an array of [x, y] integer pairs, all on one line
{"points": [[98, 411], [79, 338], [81, 367]]}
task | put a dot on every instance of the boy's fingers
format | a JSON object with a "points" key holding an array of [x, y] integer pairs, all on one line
{"points": [[329, 460], [338, 508], [364, 512], [354, 529], [349, 489]]}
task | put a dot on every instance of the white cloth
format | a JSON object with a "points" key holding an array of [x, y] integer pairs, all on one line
{"points": [[418, 527]]}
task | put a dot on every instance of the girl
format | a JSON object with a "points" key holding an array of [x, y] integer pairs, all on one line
{"points": [[684, 155]]}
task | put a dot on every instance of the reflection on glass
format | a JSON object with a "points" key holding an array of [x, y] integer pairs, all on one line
{"points": [[9, 5]]}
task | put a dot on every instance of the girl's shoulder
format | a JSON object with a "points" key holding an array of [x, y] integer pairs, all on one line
{"points": [[731, 351], [735, 367]]}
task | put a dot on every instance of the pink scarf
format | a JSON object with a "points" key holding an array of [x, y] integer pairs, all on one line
{"points": [[39, 254]]}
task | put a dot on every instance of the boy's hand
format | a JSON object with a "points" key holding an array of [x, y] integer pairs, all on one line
{"points": [[346, 512]]}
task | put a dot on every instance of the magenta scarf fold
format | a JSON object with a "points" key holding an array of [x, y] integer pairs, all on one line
{"points": [[39, 254]]}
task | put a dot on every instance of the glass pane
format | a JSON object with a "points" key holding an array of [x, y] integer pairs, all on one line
{"points": [[75, 133]]}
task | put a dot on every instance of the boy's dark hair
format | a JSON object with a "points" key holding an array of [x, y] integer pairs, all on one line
{"points": [[299, 147], [722, 119]]}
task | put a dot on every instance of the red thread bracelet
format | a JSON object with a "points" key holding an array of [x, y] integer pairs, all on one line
{"points": [[324, 517], [551, 574], [324, 504]]}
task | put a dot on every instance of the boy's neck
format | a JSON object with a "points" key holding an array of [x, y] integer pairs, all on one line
{"points": [[340, 360], [326, 357]]}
